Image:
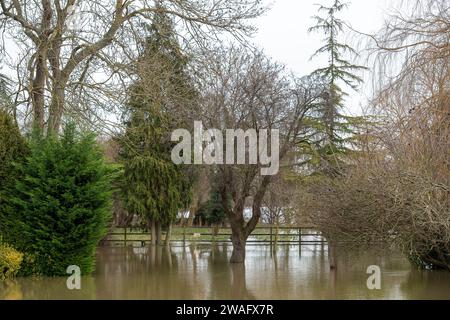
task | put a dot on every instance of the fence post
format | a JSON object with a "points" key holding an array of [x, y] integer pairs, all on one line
{"points": [[125, 237], [184, 235]]}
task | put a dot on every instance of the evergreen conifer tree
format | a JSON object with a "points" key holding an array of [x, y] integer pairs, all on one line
{"points": [[59, 209], [335, 129], [212, 210], [13, 149], [153, 186]]}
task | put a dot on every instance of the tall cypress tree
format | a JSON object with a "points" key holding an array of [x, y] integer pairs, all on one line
{"points": [[335, 129], [153, 186]]}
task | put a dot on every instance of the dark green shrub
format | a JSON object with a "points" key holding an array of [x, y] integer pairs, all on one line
{"points": [[212, 210], [59, 210], [13, 148]]}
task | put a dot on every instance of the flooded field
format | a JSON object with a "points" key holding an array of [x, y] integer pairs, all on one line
{"points": [[201, 271]]}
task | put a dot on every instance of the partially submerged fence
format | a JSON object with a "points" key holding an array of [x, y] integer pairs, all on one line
{"points": [[264, 234]]}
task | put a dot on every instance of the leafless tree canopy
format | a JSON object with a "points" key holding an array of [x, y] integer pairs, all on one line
{"points": [[398, 190], [72, 57], [247, 90]]}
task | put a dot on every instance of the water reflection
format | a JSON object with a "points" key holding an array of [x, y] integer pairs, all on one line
{"points": [[198, 271]]}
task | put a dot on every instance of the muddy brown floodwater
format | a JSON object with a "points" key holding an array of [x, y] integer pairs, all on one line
{"points": [[201, 271]]}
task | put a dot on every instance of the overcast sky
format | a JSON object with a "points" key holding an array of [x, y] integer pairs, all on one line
{"points": [[283, 33]]}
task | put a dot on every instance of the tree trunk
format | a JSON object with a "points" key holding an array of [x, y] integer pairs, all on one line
{"points": [[239, 241], [216, 229], [168, 235], [38, 90], [159, 240], [56, 108], [190, 221], [153, 230], [240, 230], [40, 75]]}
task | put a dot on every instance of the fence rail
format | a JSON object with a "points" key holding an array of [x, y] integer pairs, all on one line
{"points": [[265, 234]]}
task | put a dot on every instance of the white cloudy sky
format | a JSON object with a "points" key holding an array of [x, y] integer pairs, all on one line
{"points": [[283, 33]]}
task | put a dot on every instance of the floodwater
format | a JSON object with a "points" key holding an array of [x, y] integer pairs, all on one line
{"points": [[201, 271]]}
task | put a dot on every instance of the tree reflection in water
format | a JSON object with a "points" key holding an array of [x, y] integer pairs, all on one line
{"points": [[202, 271]]}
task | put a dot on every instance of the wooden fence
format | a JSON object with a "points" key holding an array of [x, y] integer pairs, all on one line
{"points": [[264, 234]]}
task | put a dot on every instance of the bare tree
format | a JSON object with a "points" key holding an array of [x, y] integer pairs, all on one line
{"points": [[73, 55], [398, 191], [245, 90], [416, 103], [278, 200]]}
